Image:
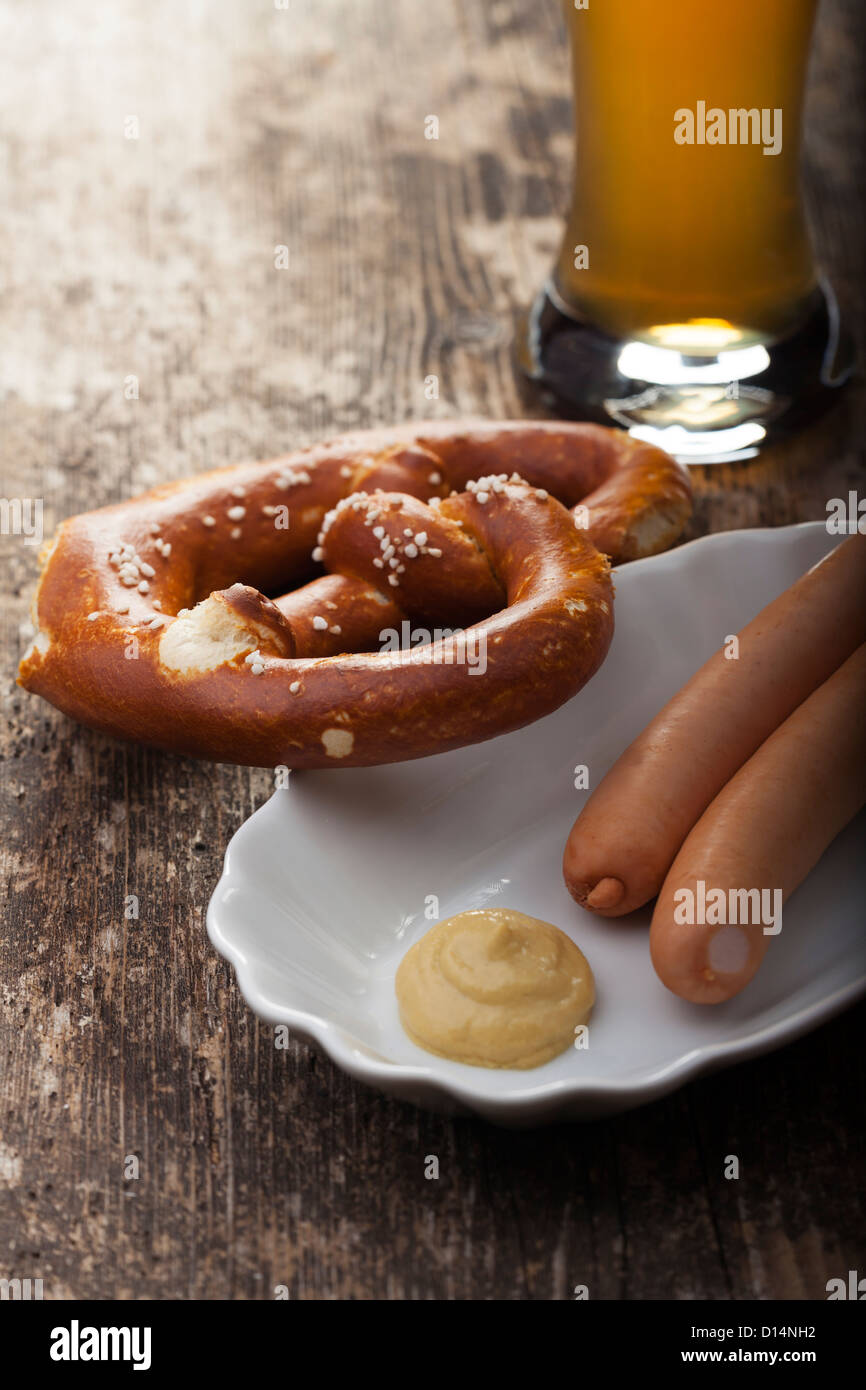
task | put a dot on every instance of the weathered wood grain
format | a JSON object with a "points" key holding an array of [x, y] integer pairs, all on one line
{"points": [[153, 258]]}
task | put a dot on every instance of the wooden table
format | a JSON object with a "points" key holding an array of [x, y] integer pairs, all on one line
{"points": [[154, 156]]}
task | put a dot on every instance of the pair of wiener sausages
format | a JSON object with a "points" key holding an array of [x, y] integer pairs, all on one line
{"points": [[739, 784]]}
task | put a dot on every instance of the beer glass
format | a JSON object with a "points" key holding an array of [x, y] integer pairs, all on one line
{"points": [[685, 304]]}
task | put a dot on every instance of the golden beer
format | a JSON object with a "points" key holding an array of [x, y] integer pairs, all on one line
{"points": [[688, 235], [685, 304]]}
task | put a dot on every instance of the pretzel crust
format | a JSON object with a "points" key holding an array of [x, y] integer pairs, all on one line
{"points": [[145, 631]]}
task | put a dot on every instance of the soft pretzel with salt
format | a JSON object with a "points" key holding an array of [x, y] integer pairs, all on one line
{"points": [[153, 622]]}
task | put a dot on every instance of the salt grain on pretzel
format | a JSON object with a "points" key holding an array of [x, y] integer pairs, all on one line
{"points": [[498, 538]]}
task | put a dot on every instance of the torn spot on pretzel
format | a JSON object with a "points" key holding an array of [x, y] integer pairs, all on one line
{"points": [[223, 627]]}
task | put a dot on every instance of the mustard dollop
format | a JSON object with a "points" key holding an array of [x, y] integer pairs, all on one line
{"points": [[494, 988]]}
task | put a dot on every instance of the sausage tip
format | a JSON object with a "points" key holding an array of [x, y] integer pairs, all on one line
{"points": [[607, 893]]}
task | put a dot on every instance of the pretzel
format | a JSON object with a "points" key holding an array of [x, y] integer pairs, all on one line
{"points": [[153, 622]]}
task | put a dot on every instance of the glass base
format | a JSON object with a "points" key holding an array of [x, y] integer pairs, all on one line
{"points": [[701, 406]]}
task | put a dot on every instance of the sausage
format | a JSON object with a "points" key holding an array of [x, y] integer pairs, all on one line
{"points": [[625, 838], [764, 831]]}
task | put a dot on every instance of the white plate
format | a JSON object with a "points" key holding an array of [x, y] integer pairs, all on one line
{"points": [[324, 888]]}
